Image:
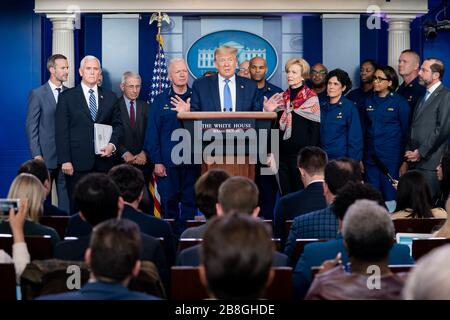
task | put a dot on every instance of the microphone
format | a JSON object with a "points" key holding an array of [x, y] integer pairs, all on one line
{"points": [[380, 165]]}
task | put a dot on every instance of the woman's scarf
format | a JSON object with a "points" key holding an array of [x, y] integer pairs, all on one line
{"points": [[305, 104]]}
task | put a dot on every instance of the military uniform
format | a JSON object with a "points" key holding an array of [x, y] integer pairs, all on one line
{"points": [[386, 125], [412, 92], [178, 185], [340, 129]]}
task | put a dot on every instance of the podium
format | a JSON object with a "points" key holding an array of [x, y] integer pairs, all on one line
{"points": [[232, 141]]}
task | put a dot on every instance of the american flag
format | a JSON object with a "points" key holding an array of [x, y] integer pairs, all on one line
{"points": [[159, 82]]}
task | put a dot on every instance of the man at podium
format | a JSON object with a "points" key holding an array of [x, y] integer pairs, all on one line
{"points": [[225, 91]]}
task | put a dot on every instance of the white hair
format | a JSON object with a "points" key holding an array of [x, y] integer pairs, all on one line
{"points": [[88, 58], [174, 60], [430, 279], [130, 74]]}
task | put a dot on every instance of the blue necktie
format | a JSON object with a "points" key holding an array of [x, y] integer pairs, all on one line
{"points": [[422, 102], [227, 103], [92, 105]]}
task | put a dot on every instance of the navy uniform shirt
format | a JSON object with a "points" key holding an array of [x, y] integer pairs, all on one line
{"points": [[359, 97], [412, 92], [162, 121], [267, 91], [386, 125], [340, 129]]}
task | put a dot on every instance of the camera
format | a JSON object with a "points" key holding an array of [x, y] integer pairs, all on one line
{"points": [[6, 204]]}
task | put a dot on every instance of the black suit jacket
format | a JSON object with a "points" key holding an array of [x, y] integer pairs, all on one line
{"points": [[297, 203], [75, 129], [73, 250], [206, 97], [191, 257], [132, 139]]}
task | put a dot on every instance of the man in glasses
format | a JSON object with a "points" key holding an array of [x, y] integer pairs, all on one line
{"points": [[133, 114], [318, 75]]}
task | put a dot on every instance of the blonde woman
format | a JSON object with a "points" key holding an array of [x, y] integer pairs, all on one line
{"points": [[298, 121], [27, 186]]}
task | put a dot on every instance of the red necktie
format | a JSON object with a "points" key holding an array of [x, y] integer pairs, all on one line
{"points": [[132, 116]]}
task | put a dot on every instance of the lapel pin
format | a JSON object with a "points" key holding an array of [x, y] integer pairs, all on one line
{"points": [[242, 87]]}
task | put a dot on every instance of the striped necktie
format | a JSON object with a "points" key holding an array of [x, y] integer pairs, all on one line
{"points": [[92, 105]]}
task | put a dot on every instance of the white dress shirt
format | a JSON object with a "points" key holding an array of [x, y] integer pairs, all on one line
{"points": [[87, 94], [232, 85], [54, 91]]}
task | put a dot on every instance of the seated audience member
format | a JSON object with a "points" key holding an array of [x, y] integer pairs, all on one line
{"points": [[444, 231], [314, 254], [322, 224], [236, 258], [236, 194], [27, 186], [206, 192], [414, 198], [429, 280], [311, 162], [368, 235], [443, 175], [130, 181], [38, 169], [113, 258], [20, 255], [98, 199]]}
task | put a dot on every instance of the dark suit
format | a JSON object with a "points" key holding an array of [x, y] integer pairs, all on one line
{"points": [[315, 254], [429, 133], [191, 257], [75, 132], [73, 250], [297, 203], [158, 228], [206, 97], [100, 291]]}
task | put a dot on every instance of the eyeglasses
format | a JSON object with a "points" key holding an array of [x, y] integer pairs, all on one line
{"points": [[321, 72], [379, 79], [137, 87]]}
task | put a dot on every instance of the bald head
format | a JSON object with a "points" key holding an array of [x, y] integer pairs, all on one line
{"points": [[258, 70]]}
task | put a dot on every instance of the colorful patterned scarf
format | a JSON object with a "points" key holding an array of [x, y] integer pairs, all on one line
{"points": [[305, 104]]}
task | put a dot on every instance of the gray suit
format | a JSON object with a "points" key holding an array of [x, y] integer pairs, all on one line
{"points": [[429, 133], [40, 128], [40, 124]]}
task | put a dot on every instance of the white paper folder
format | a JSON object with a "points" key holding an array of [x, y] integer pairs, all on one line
{"points": [[102, 135]]}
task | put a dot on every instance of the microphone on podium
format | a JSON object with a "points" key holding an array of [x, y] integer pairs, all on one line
{"points": [[380, 165]]}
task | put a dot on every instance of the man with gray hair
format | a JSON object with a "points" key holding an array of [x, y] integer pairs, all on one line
{"points": [[430, 279], [175, 180], [368, 236], [77, 111], [133, 113]]}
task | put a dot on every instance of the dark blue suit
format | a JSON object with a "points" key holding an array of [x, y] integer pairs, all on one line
{"points": [[386, 126], [315, 254], [206, 97], [340, 129], [73, 250], [191, 257], [412, 92], [100, 291], [320, 224], [297, 203], [267, 91], [178, 185], [75, 133]]}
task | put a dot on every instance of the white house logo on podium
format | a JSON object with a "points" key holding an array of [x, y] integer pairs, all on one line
{"points": [[200, 56]]}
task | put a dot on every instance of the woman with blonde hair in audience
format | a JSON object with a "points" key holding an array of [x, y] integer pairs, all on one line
{"points": [[27, 186], [298, 121], [444, 231], [414, 198]]}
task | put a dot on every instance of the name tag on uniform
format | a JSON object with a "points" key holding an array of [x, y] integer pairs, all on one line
{"points": [[390, 109]]}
